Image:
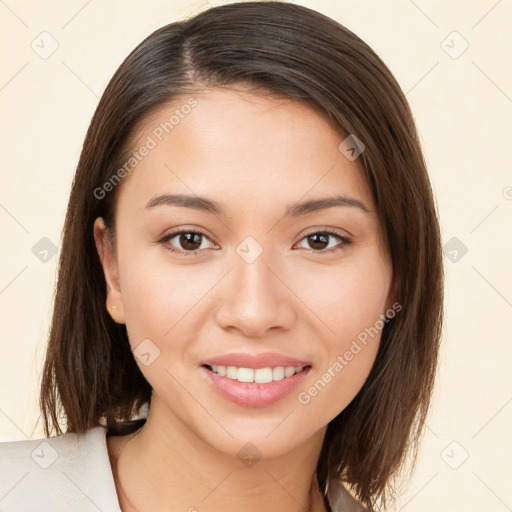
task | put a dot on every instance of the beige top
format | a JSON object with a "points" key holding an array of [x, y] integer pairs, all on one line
{"points": [[72, 472]]}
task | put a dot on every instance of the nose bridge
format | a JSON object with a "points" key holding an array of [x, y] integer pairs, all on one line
{"points": [[255, 299], [253, 269]]}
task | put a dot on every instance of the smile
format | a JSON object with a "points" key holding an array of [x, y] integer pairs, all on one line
{"points": [[257, 375], [260, 389]]}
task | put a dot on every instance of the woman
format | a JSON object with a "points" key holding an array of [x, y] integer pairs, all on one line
{"points": [[252, 252]]}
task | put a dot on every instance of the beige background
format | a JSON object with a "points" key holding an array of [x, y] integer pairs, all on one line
{"points": [[463, 107]]}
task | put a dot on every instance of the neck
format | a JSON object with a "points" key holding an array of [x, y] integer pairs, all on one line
{"points": [[165, 466]]}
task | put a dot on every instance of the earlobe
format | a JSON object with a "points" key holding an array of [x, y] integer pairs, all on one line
{"points": [[106, 253]]}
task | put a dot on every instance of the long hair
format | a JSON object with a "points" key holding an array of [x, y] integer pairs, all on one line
{"points": [[90, 376]]}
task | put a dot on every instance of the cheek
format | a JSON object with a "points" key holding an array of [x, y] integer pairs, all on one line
{"points": [[351, 298], [350, 306], [337, 383], [159, 314], [162, 301], [157, 304]]}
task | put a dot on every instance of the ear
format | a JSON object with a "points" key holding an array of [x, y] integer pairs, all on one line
{"points": [[106, 252]]}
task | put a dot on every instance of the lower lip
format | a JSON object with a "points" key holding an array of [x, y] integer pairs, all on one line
{"points": [[250, 394]]}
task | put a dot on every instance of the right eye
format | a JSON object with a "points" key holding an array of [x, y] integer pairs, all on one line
{"points": [[189, 240]]}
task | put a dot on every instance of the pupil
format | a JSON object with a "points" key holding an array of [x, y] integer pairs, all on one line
{"points": [[187, 241], [323, 243]]}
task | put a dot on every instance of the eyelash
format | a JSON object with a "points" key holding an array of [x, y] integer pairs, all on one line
{"points": [[345, 241]]}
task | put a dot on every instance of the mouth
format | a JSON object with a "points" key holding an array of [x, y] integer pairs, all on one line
{"points": [[256, 375], [254, 387]]}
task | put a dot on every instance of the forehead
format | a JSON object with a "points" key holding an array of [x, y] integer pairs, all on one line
{"points": [[236, 145]]}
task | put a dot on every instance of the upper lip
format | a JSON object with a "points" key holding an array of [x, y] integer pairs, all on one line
{"points": [[263, 360]]}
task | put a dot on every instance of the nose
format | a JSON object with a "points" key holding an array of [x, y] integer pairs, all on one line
{"points": [[255, 297]]}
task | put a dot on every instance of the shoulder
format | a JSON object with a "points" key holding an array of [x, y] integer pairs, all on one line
{"points": [[66, 472]]}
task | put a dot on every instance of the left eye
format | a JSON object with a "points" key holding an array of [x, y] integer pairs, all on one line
{"points": [[318, 239]]}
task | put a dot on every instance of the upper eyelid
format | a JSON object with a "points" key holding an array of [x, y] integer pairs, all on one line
{"points": [[197, 231], [331, 231], [324, 229]]}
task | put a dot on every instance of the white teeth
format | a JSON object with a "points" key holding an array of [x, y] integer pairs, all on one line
{"points": [[278, 373], [262, 375], [245, 375], [232, 372], [289, 371], [258, 375]]}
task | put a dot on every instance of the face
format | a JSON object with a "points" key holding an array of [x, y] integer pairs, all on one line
{"points": [[237, 269]]}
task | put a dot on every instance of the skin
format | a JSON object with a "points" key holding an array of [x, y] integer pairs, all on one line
{"points": [[256, 155]]}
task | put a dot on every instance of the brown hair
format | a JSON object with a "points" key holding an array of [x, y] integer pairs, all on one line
{"points": [[90, 375]]}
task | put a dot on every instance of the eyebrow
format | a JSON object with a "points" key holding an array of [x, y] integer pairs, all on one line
{"points": [[207, 205]]}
